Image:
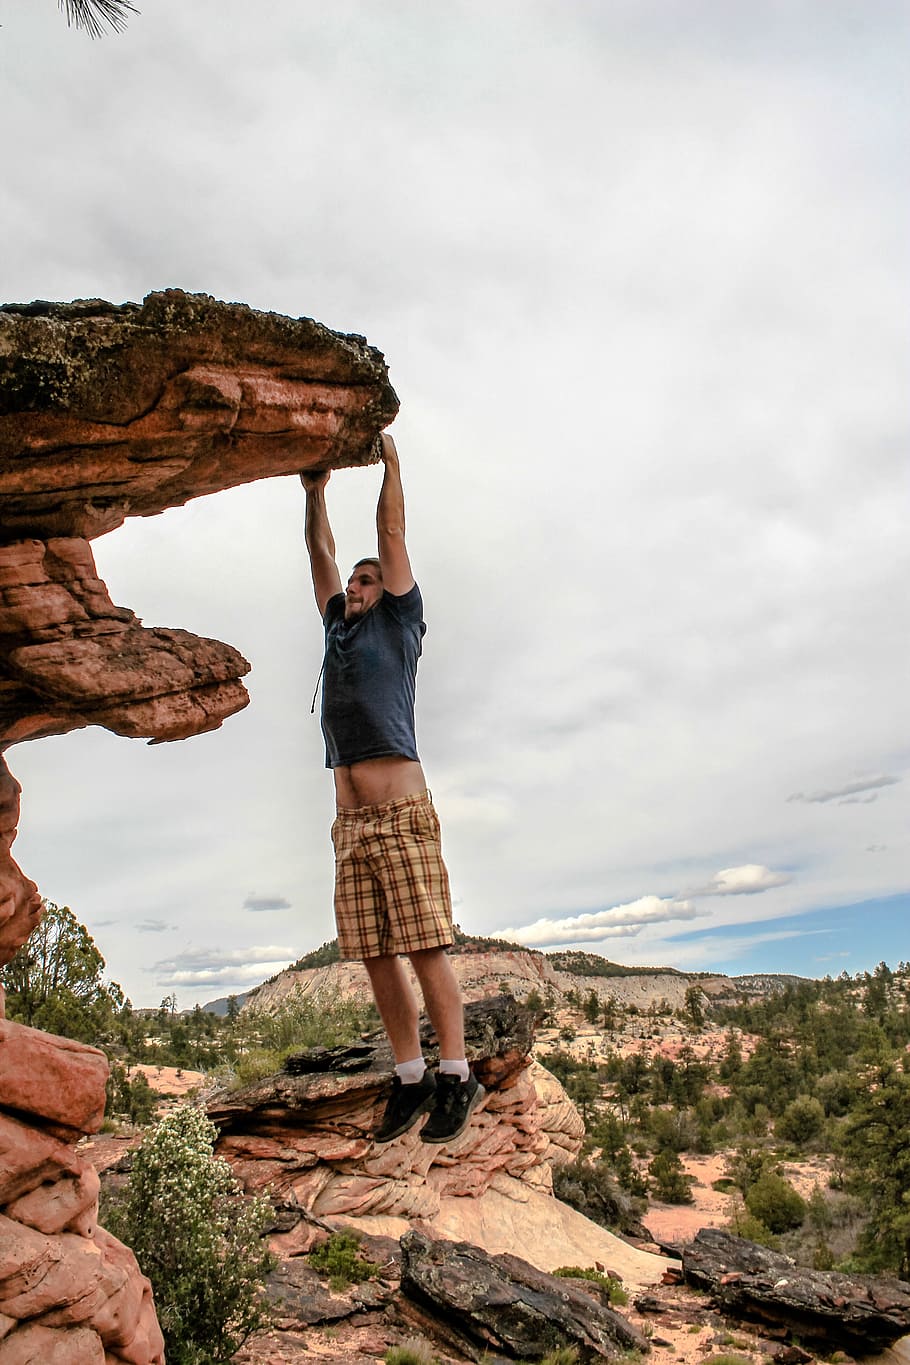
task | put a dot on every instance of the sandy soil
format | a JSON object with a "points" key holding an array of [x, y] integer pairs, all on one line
{"points": [[170, 1080], [712, 1208]]}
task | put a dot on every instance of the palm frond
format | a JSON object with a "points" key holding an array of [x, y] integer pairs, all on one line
{"points": [[92, 15]]}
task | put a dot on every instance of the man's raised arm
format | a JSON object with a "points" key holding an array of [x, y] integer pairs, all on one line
{"points": [[320, 542], [397, 577]]}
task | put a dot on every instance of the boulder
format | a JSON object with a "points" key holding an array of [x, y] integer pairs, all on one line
{"points": [[52, 1078], [503, 1304], [855, 1313]]}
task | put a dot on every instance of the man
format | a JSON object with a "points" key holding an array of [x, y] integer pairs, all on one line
{"points": [[391, 885]]}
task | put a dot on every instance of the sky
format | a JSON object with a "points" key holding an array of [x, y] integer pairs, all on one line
{"points": [[639, 269]]}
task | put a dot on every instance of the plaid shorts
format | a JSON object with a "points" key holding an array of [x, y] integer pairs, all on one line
{"points": [[391, 885]]}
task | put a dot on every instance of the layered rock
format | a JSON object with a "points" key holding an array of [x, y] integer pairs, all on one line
{"points": [[108, 412], [69, 1292], [111, 411], [307, 1138]]}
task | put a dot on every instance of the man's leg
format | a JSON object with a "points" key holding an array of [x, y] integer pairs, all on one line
{"points": [[442, 997], [413, 1087], [397, 1005], [458, 1091]]}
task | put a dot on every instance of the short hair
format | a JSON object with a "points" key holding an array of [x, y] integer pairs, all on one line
{"points": [[370, 559]]}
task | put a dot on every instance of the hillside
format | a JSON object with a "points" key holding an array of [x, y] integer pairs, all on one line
{"points": [[486, 966]]}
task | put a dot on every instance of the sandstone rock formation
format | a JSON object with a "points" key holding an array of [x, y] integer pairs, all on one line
{"points": [[306, 1137], [108, 412]]}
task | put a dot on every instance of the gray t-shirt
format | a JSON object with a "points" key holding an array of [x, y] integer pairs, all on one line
{"points": [[370, 679]]}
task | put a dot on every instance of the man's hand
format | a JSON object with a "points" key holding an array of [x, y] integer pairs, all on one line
{"points": [[388, 452], [314, 478]]}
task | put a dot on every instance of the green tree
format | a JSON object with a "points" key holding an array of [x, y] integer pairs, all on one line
{"points": [[55, 982], [583, 1090], [694, 1008], [669, 1182], [802, 1120], [197, 1239], [775, 1203], [873, 1141]]}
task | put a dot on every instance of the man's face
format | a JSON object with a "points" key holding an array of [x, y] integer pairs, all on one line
{"points": [[363, 591]]}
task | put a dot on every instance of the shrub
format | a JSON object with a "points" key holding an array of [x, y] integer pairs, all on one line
{"points": [[745, 1224], [196, 1238], [410, 1352], [299, 1022], [614, 1289], [669, 1181], [802, 1120], [776, 1203], [338, 1259], [592, 1190]]}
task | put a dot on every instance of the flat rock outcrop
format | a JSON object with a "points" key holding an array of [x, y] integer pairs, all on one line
{"points": [[109, 411], [856, 1313]]}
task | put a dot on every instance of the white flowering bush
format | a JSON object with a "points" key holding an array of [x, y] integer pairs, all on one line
{"points": [[197, 1238]]}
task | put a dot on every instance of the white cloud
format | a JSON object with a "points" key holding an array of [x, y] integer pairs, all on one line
{"points": [[621, 921], [747, 880], [210, 967], [250, 975]]}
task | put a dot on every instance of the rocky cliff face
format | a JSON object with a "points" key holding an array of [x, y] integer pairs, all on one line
{"points": [[108, 412]]}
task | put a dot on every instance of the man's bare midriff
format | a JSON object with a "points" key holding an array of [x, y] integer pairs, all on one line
{"points": [[376, 781]]}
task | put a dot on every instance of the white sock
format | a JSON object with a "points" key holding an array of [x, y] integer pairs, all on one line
{"points": [[410, 1073], [449, 1067]]}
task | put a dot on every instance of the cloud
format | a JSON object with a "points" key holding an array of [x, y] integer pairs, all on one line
{"points": [[254, 902], [876, 848], [747, 880], [853, 791], [621, 921], [153, 926], [205, 967]]}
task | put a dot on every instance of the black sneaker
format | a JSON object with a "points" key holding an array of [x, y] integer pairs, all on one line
{"points": [[406, 1104], [456, 1100]]}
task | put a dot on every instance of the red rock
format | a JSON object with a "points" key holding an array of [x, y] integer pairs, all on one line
{"points": [[54, 1207], [28, 1157], [37, 1345], [115, 411], [54, 1078], [68, 1272]]}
